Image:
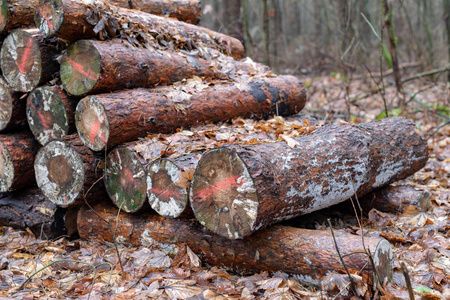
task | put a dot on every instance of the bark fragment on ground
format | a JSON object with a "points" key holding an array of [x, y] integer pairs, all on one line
{"points": [[309, 253], [50, 113], [68, 173], [17, 152], [237, 189], [107, 120]]}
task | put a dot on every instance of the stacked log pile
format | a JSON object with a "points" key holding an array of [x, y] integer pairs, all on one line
{"points": [[171, 114]]}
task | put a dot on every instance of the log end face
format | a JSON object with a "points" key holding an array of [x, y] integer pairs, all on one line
{"points": [[3, 14], [6, 104], [21, 60], [383, 259], [167, 188], [6, 169], [49, 16], [80, 68], [46, 115], [125, 180], [92, 123], [59, 172], [223, 195]]}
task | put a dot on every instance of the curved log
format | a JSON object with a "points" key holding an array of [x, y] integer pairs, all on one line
{"points": [[50, 113], [29, 59], [309, 253], [68, 173], [237, 189], [73, 20], [106, 120], [17, 152]]}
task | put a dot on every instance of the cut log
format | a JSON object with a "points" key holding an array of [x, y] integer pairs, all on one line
{"points": [[28, 208], [126, 166], [237, 189], [29, 59], [309, 253], [73, 20], [16, 13], [68, 173], [12, 108], [106, 120], [168, 185], [92, 67], [17, 153], [50, 113], [50, 13]]}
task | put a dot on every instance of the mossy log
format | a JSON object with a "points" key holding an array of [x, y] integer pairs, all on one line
{"points": [[68, 173], [107, 120], [28, 208], [17, 152], [29, 59], [12, 108], [16, 13], [50, 113], [308, 253], [73, 20], [237, 189]]}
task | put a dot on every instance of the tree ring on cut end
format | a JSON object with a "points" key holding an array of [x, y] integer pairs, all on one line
{"points": [[21, 60], [80, 68], [166, 188], [59, 172], [6, 169], [92, 123], [49, 16], [46, 115], [125, 180], [223, 195], [6, 104]]}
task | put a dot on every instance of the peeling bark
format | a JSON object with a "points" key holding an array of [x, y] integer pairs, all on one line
{"points": [[50, 113], [29, 59], [237, 189], [107, 120], [73, 20], [68, 173], [309, 253], [17, 152]]}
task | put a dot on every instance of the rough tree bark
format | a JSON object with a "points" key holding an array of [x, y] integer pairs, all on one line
{"points": [[237, 189], [309, 253], [130, 174], [68, 173], [28, 208], [16, 13], [107, 120], [29, 59], [17, 153], [73, 20], [12, 108], [92, 67], [50, 113]]}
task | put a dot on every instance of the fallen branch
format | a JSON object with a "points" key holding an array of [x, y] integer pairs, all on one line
{"points": [[427, 73]]}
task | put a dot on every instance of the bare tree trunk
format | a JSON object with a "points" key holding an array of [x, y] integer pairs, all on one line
{"points": [[446, 4], [266, 32], [231, 18]]}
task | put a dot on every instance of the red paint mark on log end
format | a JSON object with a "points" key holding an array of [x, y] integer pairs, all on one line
{"points": [[218, 187]]}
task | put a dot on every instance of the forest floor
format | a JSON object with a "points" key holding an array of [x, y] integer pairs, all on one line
{"points": [[420, 239]]}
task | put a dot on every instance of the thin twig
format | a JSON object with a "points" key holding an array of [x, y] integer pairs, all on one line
{"points": [[408, 280], [340, 257]]}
